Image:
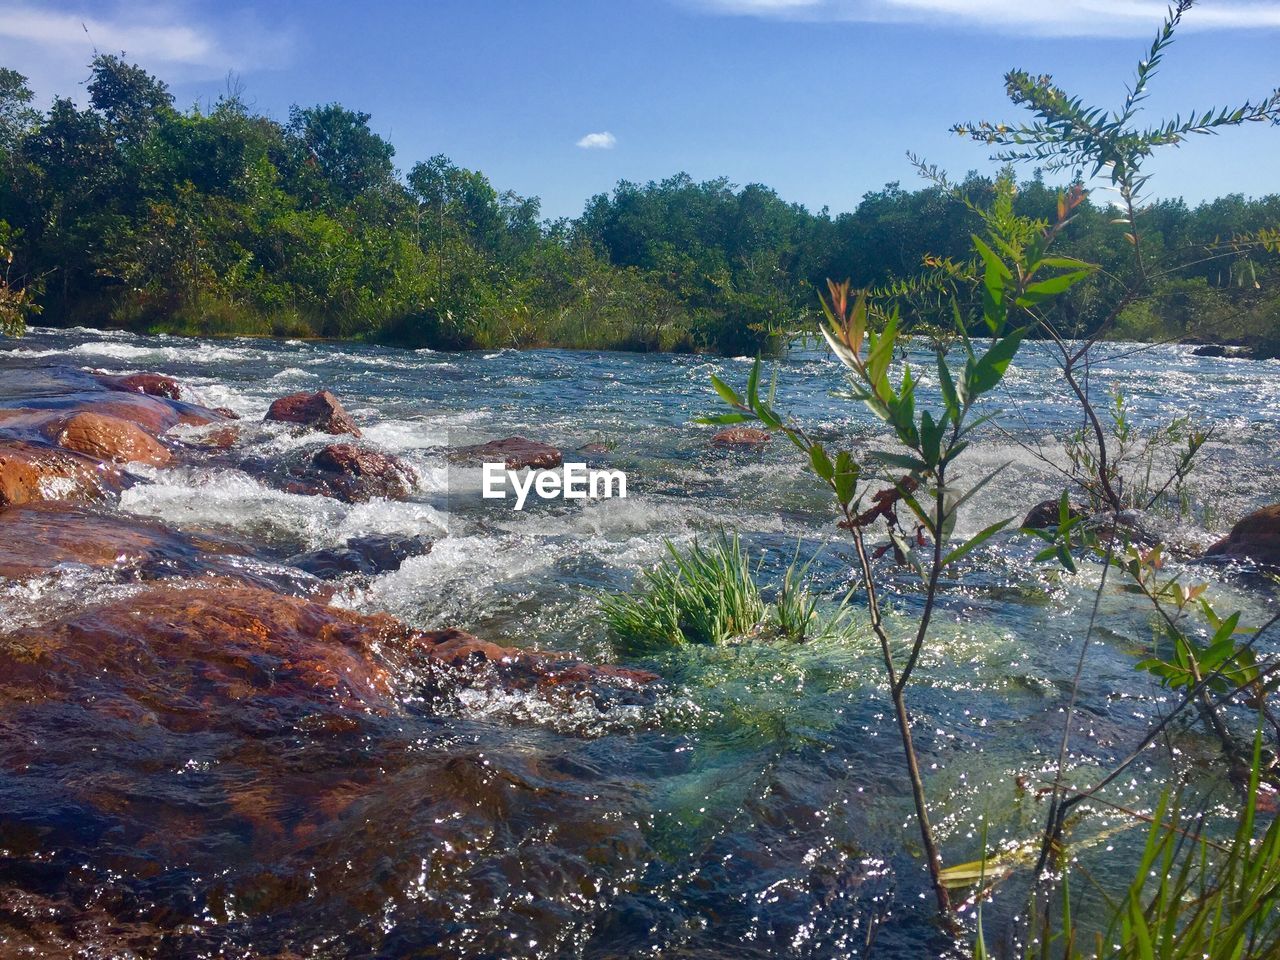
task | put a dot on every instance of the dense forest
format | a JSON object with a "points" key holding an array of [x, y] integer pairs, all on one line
{"points": [[221, 221]]}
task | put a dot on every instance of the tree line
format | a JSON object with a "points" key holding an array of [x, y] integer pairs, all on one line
{"points": [[222, 221]]}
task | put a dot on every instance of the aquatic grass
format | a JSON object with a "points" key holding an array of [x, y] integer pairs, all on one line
{"points": [[796, 609], [704, 595], [711, 595]]}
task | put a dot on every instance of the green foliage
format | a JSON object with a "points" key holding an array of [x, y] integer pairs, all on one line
{"points": [[17, 300], [1145, 467], [148, 217], [705, 595], [711, 596], [1195, 894]]}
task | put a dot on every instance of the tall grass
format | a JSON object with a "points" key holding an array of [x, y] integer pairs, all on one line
{"points": [[711, 595], [1193, 896], [704, 595]]}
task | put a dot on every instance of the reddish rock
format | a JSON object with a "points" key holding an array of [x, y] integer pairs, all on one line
{"points": [[742, 438], [37, 537], [152, 384], [350, 473], [515, 452], [110, 438], [1255, 537], [376, 553], [204, 655], [319, 411], [176, 652], [226, 413], [32, 472]]}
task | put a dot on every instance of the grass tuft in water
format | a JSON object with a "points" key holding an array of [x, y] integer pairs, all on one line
{"points": [[709, 595], [705, 595]]}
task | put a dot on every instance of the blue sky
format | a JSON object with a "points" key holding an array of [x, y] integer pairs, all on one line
{"points": [[819, 99]]}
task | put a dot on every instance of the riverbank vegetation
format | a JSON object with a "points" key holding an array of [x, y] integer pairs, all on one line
{"points": [[127, 211]]}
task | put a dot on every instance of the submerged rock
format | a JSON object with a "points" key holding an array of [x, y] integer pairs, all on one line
{"points": [[1046, 514], [364, 555], [319, 411], [344, 471], [1255, 537], [38, 538], [31, 472], [110, 438], [742, 438], [516, 452]]}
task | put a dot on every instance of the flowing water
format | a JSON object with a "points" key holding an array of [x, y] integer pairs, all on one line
{"points": [[755, 806]]}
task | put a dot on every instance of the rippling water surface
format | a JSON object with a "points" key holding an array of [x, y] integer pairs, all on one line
{"points": [[756, 807]]}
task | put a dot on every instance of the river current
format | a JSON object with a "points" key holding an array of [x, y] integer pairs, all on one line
{"points": [[757, 806]]}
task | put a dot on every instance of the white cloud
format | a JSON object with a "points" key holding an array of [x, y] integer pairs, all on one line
{"points": [[604, 140], [53, 46], [1044, 17]]}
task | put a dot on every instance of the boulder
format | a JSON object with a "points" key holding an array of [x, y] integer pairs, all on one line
{"points": [[211, 655], [32, 472], [356, 474], [152, 384], [1210, 350], [319, 411], [1255, 537], [516, 452], [1046, 514], [363, 555], [110, 438], [37, 538], [741, 438]]}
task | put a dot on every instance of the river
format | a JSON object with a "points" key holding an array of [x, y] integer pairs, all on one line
{"points": [[756, 805]]}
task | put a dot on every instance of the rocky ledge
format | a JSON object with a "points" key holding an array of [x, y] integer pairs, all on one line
{"points": [[70, 441]]}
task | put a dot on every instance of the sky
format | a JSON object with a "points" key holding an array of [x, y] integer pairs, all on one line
{"points": [[819, 99]]}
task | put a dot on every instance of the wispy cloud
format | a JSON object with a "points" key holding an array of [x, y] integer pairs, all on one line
{"points": [[604, 140], [53, 42], [1045, 17]]}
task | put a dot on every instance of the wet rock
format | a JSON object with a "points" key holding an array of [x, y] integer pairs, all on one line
{"points": [[516, 452], [1047, 513], [741, 438], [1255, 537], [595, 449], [152, 384], [227, 413], [220, 438], [207, 655], [319, 411], [152, 414], [38, 538], [1210, 350], [31, 472], [364, 555], [110, 438], [355, 474]]}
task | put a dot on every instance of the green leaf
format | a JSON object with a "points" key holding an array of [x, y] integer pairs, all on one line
{"points": [[846, 477], [900, 460], [821, 463], [727, 393], [976, 541], [721, 419], [950, 398], [1047, 289], [987, 373]]}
